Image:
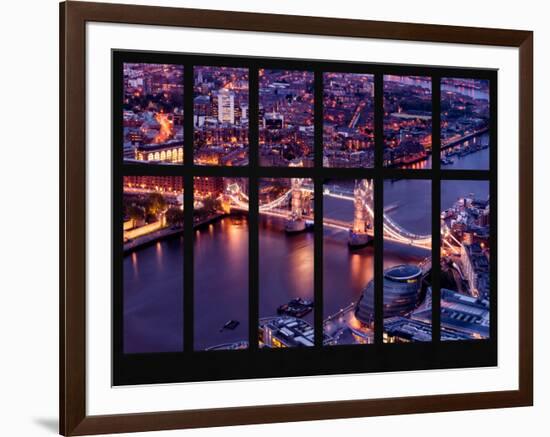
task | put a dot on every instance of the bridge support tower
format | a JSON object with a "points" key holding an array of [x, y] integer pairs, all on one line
{"points": [[295, 222], [362, 221]]}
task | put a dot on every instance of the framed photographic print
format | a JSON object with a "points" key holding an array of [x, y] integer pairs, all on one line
{"points": [[269, 218]]}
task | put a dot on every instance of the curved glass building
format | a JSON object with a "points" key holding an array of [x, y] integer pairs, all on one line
{"points": [[401, 292]]}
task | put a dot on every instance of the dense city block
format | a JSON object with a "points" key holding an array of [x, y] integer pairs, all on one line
{"points": [[407, 121], [220, 116], [152, 113], [465, 123], [348, 120], [286, 118]]}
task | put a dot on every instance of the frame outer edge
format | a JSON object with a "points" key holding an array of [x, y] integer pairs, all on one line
{"points": [[526, 219], [208, 418], [62, 82], [73, 219], [298, 24]]}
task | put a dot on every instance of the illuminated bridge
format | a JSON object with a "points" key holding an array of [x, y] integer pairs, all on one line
{"points": [[360, 228]]}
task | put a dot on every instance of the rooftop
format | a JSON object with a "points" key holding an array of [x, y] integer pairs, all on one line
{"points": [[403, 272]]}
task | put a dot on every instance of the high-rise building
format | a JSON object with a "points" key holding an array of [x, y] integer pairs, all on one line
{"points": [[226, 106]]}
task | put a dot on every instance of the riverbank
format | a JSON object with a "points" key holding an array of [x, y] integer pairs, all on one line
{"points": [[151, 238], [161, 234], [464, 138], [422, 161]]}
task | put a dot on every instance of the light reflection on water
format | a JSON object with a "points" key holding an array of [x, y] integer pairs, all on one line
{"points": [[153, 302]]}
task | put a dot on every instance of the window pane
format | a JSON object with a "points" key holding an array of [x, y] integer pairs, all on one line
{"points": [[407, 121], [153, 264], [348, 120], [153, 113], [407, 261], [464, 124], [465, 285], [220, 220], [286, 262], [286, 118], [348, 258], [220, 117]]}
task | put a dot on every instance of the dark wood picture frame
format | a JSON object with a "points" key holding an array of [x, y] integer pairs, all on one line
{"points": [[73, 18]]}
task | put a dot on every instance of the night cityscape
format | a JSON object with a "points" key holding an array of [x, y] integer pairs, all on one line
{"points": [[220, 263], [465, 123], [407, 269], [153, 118], [407, 121], [286, 118], [153, 263], [286, 262], [153, 213], [348, 120], [220, 116], [465, 255], [348, 259], [152, 113]]}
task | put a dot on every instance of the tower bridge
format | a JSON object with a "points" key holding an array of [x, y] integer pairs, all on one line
{"points": [[299, 196]]}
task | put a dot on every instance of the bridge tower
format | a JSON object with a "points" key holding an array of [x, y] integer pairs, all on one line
{"points": [[362, 221], [295, 222], [231, 190], [296, 206], [225, 203]]}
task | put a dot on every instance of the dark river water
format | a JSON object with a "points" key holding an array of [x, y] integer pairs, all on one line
{"points": [[153, 302], [153, 276], [474, 161]]}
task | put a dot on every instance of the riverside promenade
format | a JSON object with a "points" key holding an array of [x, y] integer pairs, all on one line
{"points": [[166, 232]]}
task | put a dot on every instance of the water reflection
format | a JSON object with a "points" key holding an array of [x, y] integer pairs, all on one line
{"points": [[153, 298], [221, 282], [286, 266], [153, 276]]}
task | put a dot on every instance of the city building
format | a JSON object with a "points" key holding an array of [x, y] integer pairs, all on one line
{"points": [[407, 119], [153, 113], [404, 330], [154, 183], [208, 186], [465, 315], [282, 332], [402, 286], [467, 223], [273, 120], [220, 116], [475, 267], [169, 151], [286, 117], [226, 106]]}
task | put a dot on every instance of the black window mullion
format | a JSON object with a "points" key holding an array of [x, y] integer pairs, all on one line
{"points": [[117, 208], [253, 263], [378, 208], [436, 208], [253, 211], [318, 261], [188, 262], [493, 193], [318, 209], [188, 95]]}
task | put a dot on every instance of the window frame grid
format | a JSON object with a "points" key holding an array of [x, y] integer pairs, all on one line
{"points": [[254, 172]]}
